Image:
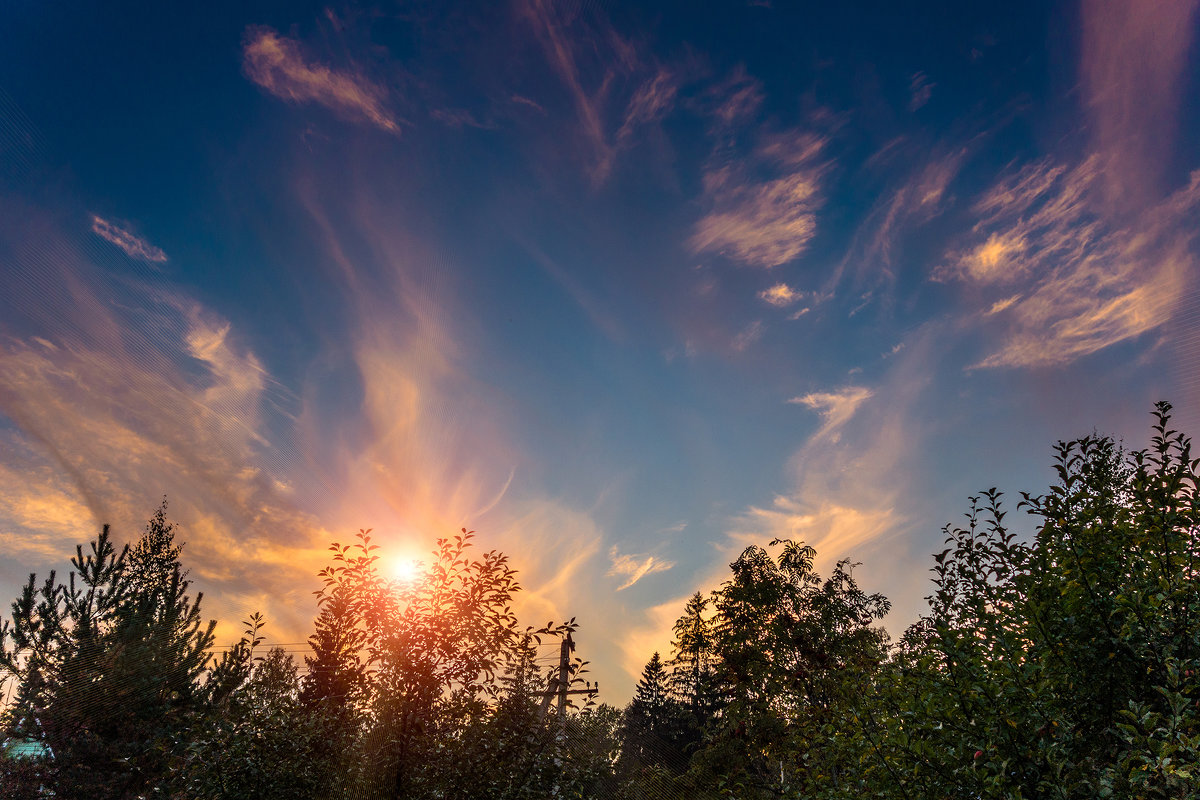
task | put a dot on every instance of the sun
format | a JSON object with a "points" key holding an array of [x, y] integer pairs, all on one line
{"points": [[405, 570]]}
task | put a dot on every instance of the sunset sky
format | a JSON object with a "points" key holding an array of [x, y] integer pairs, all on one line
{"points": [[624, 287]]}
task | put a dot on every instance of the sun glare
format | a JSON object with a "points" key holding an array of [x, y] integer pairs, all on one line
{"points": [[405, 570]]}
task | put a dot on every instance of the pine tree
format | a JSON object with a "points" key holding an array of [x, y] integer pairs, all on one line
{"points": [[653, 723], [691, 679], [107, 666]]}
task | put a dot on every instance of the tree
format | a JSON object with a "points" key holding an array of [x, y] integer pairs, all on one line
{"points": [[108, 665], [653, 724], [692, 672], [434, 647], [1067, 666], [259, 741], [792, 650]]}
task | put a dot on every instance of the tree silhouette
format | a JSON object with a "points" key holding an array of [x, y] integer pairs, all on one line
{"points": [[108, 665], [1066, 666]]}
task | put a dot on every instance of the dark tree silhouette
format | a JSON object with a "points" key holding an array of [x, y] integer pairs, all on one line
{"points": [[108, 665]]}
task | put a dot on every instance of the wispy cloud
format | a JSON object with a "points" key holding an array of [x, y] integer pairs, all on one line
{"points": [[747, 336], [836, 408], [920, 90], [1095, 253], [560, 52], [278, 64], [1086, 279], [781, 295], [1002, 304], [732, 102], [652, 101], [757, 222], [134, 246], [850, 486], [590, 58], [919, 197], [459, 118], [1134, 56], [106, 432], [635, 566]]}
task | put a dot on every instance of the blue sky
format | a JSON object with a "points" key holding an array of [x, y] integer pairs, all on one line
{"points": [[624, 287]]}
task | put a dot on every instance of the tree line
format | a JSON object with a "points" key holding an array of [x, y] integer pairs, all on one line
{"points": [[1064, 665]]}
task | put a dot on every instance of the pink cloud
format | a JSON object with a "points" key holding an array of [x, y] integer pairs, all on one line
{"points": [[763, 223], [133, 246], [560, 52], [590, 59], [278, 64], [1134, 57], [1086, 279]]}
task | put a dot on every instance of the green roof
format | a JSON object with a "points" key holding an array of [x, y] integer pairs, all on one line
{"points": [[25, 748]]}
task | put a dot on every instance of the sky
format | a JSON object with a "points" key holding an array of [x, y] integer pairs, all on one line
{"points": [[623, 287]]}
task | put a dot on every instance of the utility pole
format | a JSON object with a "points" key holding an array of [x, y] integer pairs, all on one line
{"points": [[564, 666], [560, 684]]}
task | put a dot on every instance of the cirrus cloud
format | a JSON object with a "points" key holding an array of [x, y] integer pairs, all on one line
{"points": [[836, 408], [780, 295], [763, 223], [134, 246], [279, 65], [635, 566]]}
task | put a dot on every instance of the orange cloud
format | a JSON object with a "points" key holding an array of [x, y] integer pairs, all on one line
{"points": [[107, 434], [780, 295], [277, 64], [1088, 279], [996, 260]]}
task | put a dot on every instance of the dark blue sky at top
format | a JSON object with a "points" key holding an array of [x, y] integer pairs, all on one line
{"points": [[536, 276]]}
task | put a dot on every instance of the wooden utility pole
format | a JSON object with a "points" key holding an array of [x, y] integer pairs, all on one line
{"points": [[564, 666], [560, 684]]}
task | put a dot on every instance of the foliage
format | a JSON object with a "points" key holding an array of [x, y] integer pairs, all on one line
{"points": [[422, 662], [654, 726], [1065, 667], [107, 666], [693, 671], [259, 741], [791, 649]]}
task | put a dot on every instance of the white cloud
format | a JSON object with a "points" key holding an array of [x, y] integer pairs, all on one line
{"points": [[835, 408], [635, 566]]}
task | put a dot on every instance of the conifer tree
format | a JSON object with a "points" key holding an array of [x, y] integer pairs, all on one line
{"points": [[652, 723], [107, 666], [691, 677]]}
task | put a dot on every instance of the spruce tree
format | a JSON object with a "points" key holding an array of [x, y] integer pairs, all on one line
{"points": [[691, 678], [652, 723], [107, 666]]}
